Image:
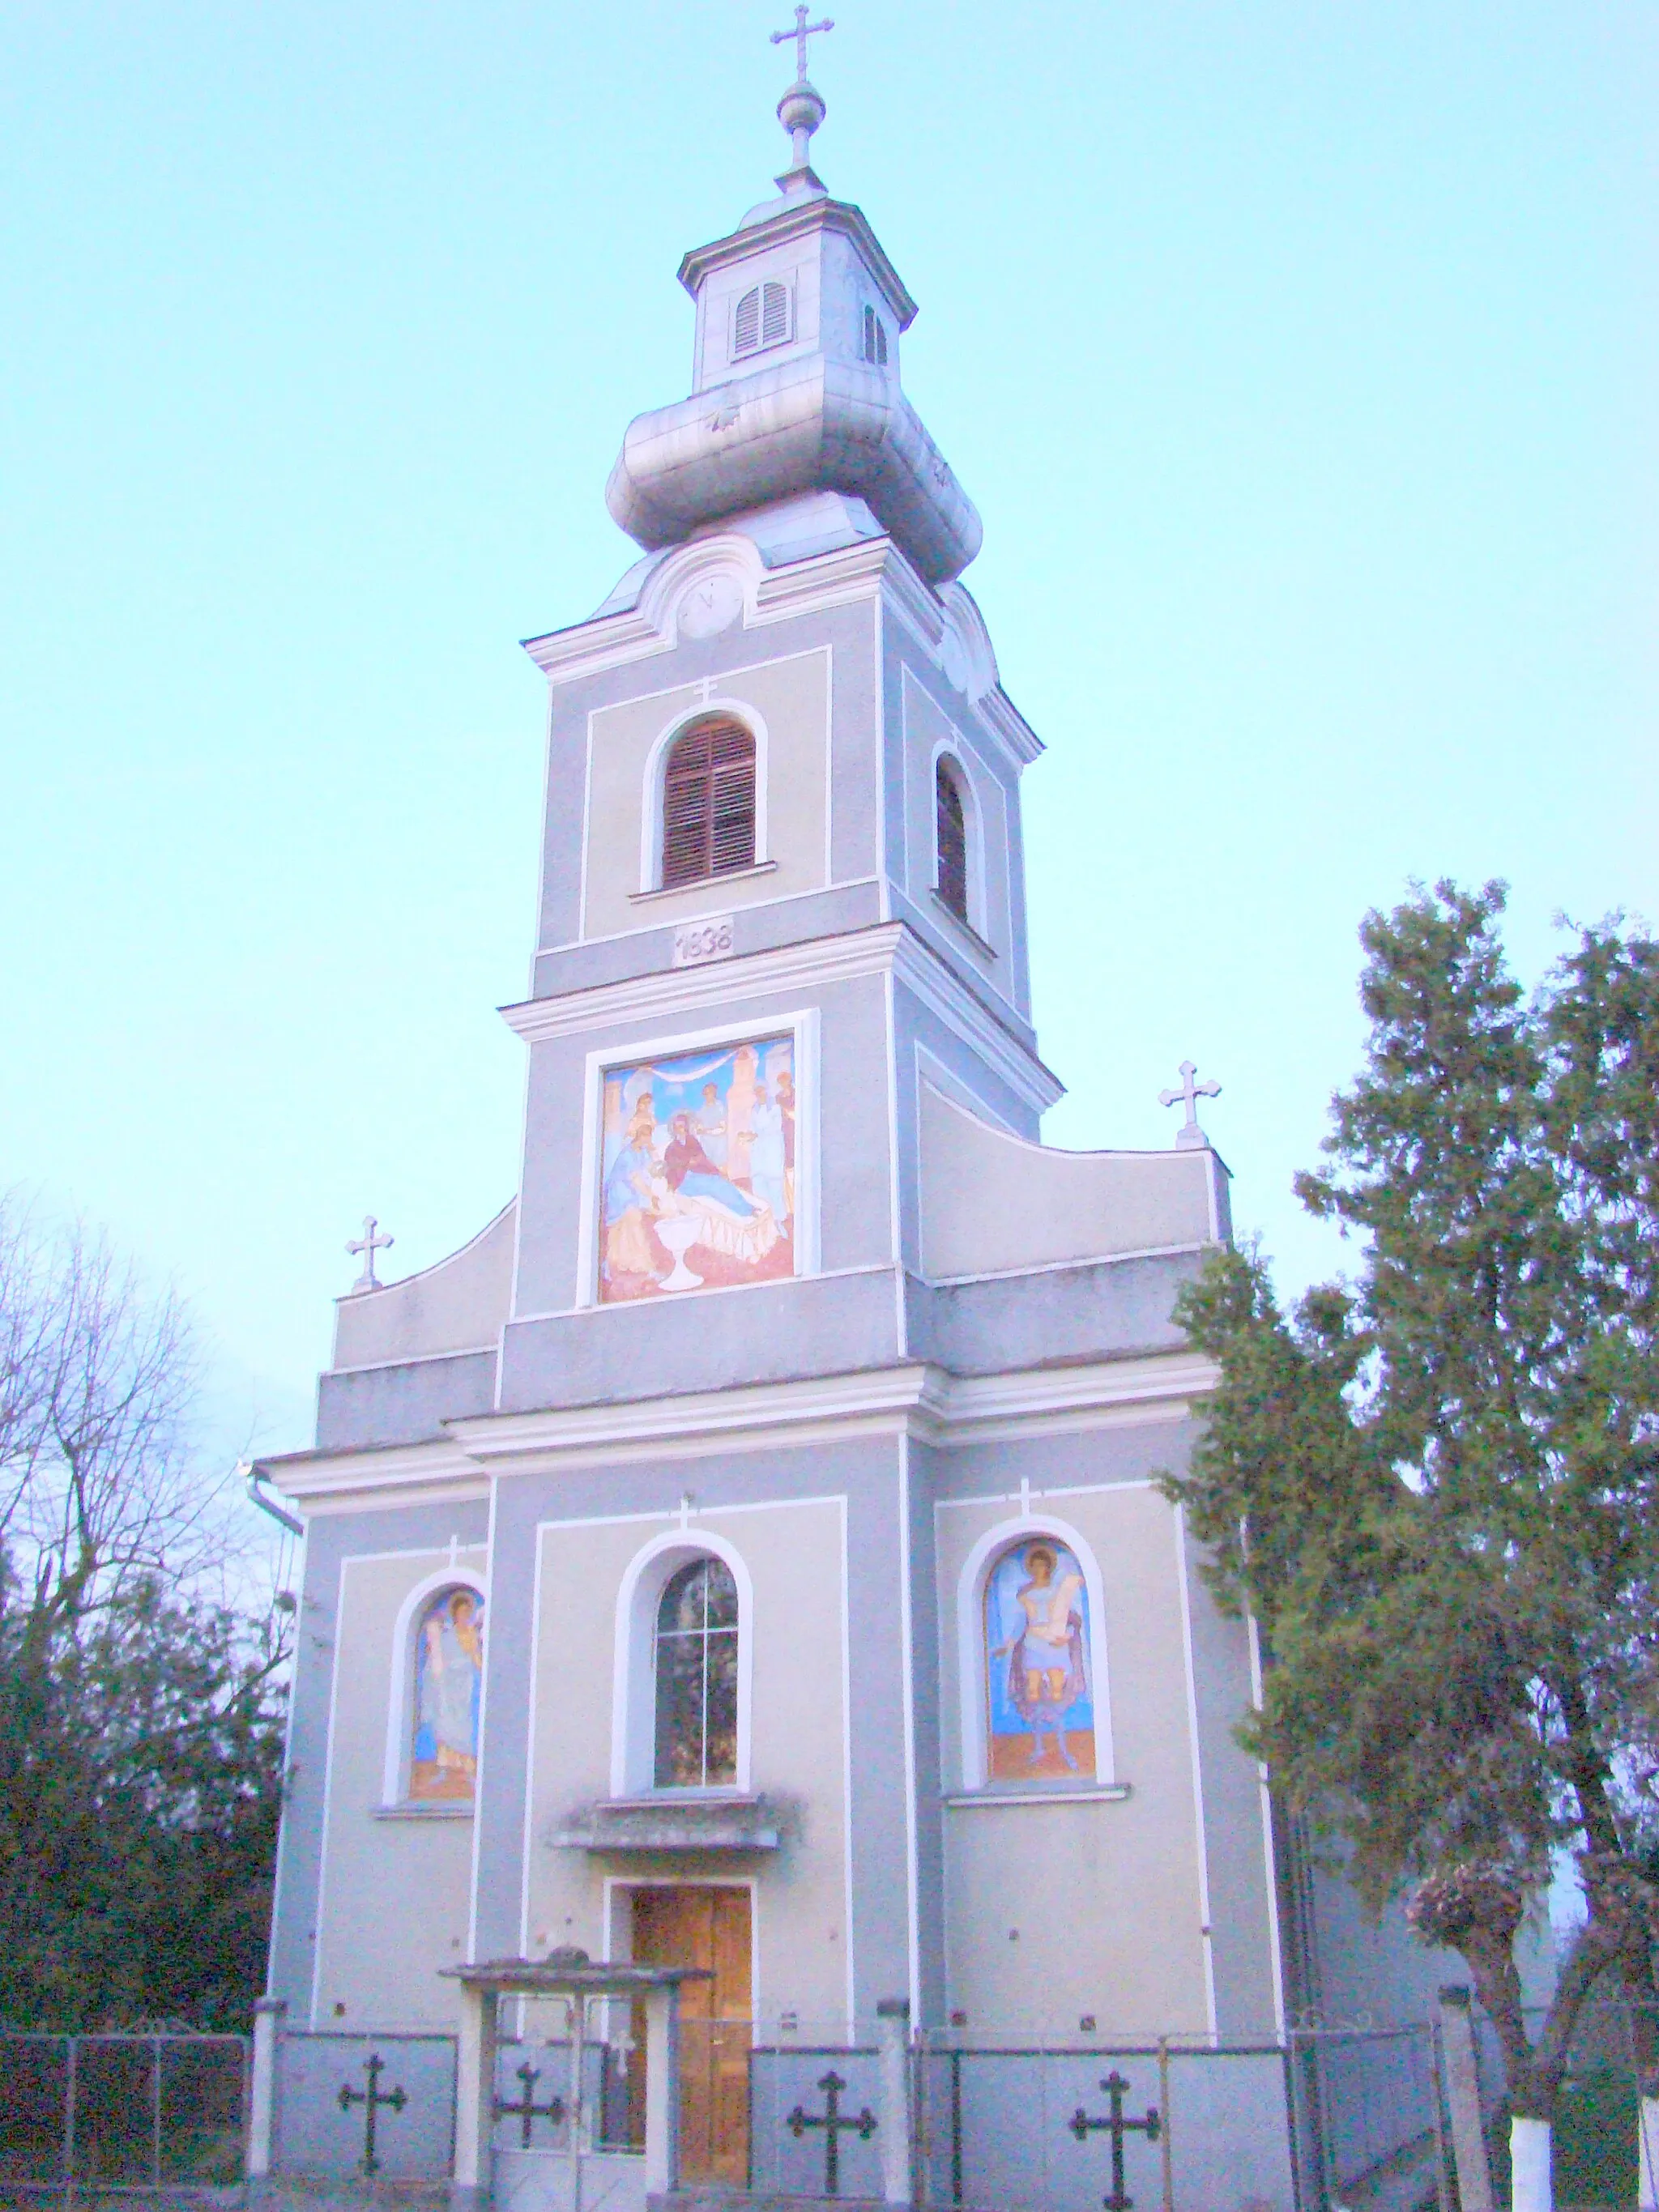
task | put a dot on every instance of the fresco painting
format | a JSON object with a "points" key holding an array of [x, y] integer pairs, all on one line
{"points": [[1041, 1722], [698, 1174], [448, 1679]]}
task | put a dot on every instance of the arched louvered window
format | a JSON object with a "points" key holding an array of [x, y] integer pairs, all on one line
{"points": [[696, 1679], [708, 802], [952, 836], [875, 338], [761, 319]]}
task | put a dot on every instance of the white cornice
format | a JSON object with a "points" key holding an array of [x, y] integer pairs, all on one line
{"points": [[838, 578], [927, 620], [343, 1482], [918, 1400], [670, 993], [943, 991]]}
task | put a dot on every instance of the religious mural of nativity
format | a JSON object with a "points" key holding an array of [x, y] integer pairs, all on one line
{"points": [[700, 1164], [739, 1595]]}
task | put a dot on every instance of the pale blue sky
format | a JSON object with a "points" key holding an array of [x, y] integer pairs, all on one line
{"points": [[1302, 361]]}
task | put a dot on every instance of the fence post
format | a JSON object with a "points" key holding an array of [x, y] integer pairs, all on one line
{"points": [[662, 2090], [268, 2013], [893, 2030], [1463, 2099], [475, 2099], [69, 2116], [1166, 2141]]}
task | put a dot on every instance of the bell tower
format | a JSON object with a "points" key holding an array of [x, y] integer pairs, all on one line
{"points": [[783, 781]]}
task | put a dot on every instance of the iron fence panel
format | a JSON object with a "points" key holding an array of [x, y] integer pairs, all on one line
{"points": [[1035, 2129], [34, 2084], [91, 2118], [805, 2099], [202, 2112], [1376, 2095], [1230, 2132], [325, 2081]]}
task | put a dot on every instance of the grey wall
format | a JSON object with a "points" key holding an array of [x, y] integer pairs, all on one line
{"points": [[331, 1538]]}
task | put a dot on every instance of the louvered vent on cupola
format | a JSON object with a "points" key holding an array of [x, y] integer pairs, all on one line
{"points": [[709, 803], [875, 338], [761, 319]]}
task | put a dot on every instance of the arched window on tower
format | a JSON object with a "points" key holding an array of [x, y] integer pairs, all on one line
{"points": [[708, 802], [1039, 1673], [696, 1679], [951, 835]]}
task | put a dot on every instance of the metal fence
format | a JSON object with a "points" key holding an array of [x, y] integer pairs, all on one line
{"points": [[377, 2105], [1046, 2128], [1366, 2103], [87, 2118]]}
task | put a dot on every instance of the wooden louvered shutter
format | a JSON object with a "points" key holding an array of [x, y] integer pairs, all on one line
{"points": [[709, 804], [745, 325], [774, 314], [952, 834]]}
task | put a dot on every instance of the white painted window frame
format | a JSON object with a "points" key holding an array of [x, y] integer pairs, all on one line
{"points": [[801, 1024], [656, 768], [973, 1687], [634, 1680], [400, 1703]]}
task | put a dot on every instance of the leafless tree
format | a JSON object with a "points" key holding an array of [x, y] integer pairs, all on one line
{"points": [[99, 1375]]}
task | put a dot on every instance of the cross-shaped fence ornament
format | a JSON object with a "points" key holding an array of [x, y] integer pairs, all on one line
{"points": [[1151, 2127], [802, 32], [1187, 1094], [832, 2121], [372, 2100], [368, 1244], [526, 2110]]}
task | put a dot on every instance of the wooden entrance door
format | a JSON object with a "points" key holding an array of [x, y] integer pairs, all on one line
{"points": [[696, 1926]]}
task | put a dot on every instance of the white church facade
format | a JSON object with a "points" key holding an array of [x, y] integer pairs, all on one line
{"points": [[748, 1554]]}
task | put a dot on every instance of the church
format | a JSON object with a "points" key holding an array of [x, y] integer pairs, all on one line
{"points": [[747, 1554]]}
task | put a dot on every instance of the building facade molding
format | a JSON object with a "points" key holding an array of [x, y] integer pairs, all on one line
{"points": [[918, 1399], [888, 947]]}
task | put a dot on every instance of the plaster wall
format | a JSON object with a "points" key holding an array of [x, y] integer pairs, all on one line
{"points": [[366, 1910], [931, 706], [793, 1553], [992, 1202], [1035, 1942], [841, 634], [458, 1305], [820, 1531], [993, 832], [792, 696], [403, 1402], [852, 1093], [1096, 1310]]}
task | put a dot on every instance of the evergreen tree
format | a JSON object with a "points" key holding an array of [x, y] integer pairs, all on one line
{"points": [[1434, 1486]]}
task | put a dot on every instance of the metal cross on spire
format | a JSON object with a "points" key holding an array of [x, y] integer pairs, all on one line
{"points": [[802, 32], [368, 1244], [1188, 1096]]}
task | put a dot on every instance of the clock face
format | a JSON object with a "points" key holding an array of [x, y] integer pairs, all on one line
{"points": [[712, 605]]}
